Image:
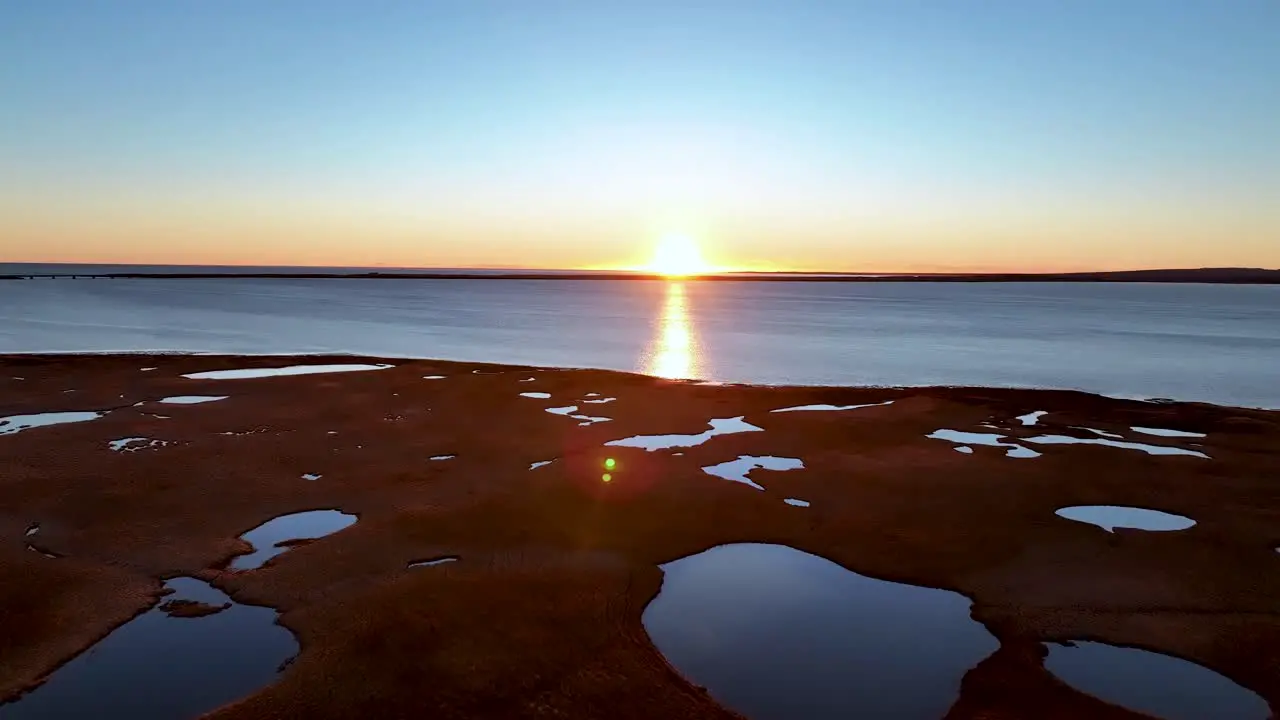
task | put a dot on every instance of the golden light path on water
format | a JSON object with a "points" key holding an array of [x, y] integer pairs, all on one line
{"points": [[674, 351]]}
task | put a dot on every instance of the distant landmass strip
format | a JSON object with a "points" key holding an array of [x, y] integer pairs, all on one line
{"points": [[1235, 276]]}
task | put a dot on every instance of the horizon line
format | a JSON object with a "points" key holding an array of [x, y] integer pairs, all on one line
{"points": [[642, 270]]}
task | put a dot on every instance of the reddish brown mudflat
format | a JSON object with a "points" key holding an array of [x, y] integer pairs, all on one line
{"points": [[540, 614]]}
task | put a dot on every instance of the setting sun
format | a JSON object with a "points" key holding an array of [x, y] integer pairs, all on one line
{"points": [[677, 256]]}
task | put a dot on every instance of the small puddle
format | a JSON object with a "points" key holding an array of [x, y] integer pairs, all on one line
{"points": [[433, 377], [311, 476], [30, 533], [443, 457], [528, 380], [1148, 449], [134, 444], [1032, 418], [1148, 682], [536, 395], [537, 465], [161, 666], [273, 537], [820, 408], [600, 401], [148, 369], [46, 553], [246, 373], [190, 399], [18, 423], [796, 502], [570, 411], [1095, 431], [1110, 517], [777, 634], [433, 561], [719, 426], [737, 470], [237, 433], [988, 439], [963, 449], [1166, 432]]}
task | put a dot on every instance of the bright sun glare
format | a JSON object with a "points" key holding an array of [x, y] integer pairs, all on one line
{"points": [[677, 256]]}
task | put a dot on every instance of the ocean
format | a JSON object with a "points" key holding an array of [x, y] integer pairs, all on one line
{"points": [[1211, 343]]}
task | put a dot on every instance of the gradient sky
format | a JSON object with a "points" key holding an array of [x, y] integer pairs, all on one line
{"points": [[890, 135]]}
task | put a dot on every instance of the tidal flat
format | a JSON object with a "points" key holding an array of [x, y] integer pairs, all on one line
{"points": [[513, 579]]}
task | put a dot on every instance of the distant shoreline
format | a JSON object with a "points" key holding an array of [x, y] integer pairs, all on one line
{"points": [[1227, 276]]}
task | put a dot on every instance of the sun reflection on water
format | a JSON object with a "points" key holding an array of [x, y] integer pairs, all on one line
{"points": [[674, 351]]}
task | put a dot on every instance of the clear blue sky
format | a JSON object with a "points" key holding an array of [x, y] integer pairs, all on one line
{"points": [[886, 135]]}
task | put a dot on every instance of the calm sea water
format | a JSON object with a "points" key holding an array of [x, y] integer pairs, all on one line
{"points": [[1215, 343]]}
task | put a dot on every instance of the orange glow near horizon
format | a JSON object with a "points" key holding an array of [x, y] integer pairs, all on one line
{"points": [[525, 140], [185, 232]]}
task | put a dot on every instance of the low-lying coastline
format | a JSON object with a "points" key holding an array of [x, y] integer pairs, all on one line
{"points": [[554, 528], [1227, 276]]}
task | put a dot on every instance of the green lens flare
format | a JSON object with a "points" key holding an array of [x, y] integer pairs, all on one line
{"points": [[606, 477], [609, 463]]}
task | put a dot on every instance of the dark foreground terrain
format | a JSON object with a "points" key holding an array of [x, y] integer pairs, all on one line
{"points": [[540, 615]]}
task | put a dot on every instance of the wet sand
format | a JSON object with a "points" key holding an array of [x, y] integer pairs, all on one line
{"points": [[540, 615]]}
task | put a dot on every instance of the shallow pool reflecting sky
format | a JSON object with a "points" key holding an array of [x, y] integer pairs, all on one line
{"points": [[778, 634], [160, 667]]}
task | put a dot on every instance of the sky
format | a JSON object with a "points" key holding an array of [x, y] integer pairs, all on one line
{"points": [[841, 135]]}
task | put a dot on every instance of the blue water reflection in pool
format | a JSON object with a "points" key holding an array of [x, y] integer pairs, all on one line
{"points": [[160, 667], [776, 633], [1156, 684]]}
